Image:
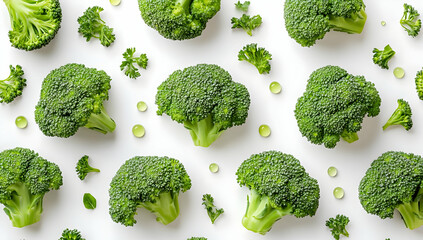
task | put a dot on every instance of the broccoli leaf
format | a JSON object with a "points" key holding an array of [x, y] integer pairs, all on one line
{"points": [[242, 6], [212, 211], [259, 57], [92, 26], [247, 23], [89, 201]]}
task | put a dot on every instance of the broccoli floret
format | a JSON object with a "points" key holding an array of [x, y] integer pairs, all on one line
{"points": [[73, 234], [401, 116], [247, 23], [129, 60], [92, 26], [419, 84], [309, 20], [382, 57], [410, 21], [197, 238], [242, 6], [338, 225], [259, 57], [334, 105], [150, 182], [205, 99], [279, 186], [72, 97], [83, 168], [394, 181], [12, 86], [25, 179], [212, 210], [178, 19], [34, 23]]}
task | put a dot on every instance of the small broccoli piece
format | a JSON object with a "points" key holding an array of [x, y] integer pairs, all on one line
{"points": [[309, 20], [394, 181], [25, 179], [419, 84], [247, 23], [382, 57], [338, 225], [197, 238], [401, 116], [150, 182], [129, 61], [92, 26], [205, 99], [72, 97], [242, 6], [334, 105], [12, 86], [83, 168], [259, 57], [410, 22], [279, 186], [71, 235], [212, 210], [178, 19]]}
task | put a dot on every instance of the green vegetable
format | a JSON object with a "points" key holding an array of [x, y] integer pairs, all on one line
{"points": [[279, 186], [178, 19], [12, 86], [197, 238], [259, 57], [309, 20], [89, 201], [83, 168], [247, 23], [92, 26], [71, 235], [410, 21], [205, 99], [72, 97], [338, 225], [129, 60], [150, 182], [382, 57], [25, 179], [419, 84], [401, 116], [394, 181], [242, 6], [34, 23], [334, 105], [212, 210]]}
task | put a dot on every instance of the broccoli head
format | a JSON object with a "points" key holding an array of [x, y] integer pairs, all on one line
{"points": [[72, 97], [12, 86], [257, 56], [83, 168], [394, 181], [178, 19], [205, 99], [25, 179], [382, 57], [73, 234], [334, 105], [419, 84], [34, 23], [401, 116], [410, 21], [338, 226], [279, 186], [309, 20], [150, 182]]}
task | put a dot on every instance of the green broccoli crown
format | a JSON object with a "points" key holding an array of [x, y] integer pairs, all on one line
{"points": [[338, 226], [247, 23], [178, 19], [197, 238], [382, 57], [419, 84], [259, 57], [83, 168], [205, 99], [394, 181], [401, 116], [150, 182], [309, 20], [334, 105], [34, 23], [72, 97], [73, 234], [92, 26], [410, 21], [25, 179], [12, 86]]}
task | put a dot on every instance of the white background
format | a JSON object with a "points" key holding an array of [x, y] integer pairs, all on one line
{"points": [[219, 44]]}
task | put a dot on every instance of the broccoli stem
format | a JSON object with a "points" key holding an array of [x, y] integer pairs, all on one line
{"points": [[411, 214], [397, 119], [204, 132], [260, 214], [101, 122], [350, 137], [23, 208], [165, 207], [353, 24]]}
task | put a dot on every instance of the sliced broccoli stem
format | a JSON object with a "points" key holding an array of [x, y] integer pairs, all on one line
{"points": [[165, 207], [411, 214], [353, 24], [261, 213], [101, 122], [350, 137], [204, 132], [397, 120], [23, 208]]}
